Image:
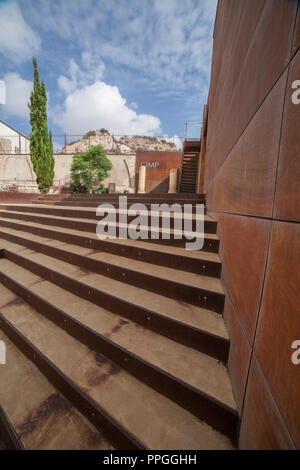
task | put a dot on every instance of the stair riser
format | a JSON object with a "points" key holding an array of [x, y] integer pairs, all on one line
{"points": [[96, 204], [202, 341], [150, 201], [149, 256], [209, 268], [209, 226], [168, 288], [141, 198], [206, 299], [8, 433], [204, 407], [130, 196], [209, 244], [118, 436]]}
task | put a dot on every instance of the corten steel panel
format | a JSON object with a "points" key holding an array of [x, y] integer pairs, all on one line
{"points": [[245, 182], [296, 41], [262, 427], [239, 355], [279, 323], [229, 13], [287, 201], [244, 244], [248, 15], [224, 47], [157, 178], [267, 56]]}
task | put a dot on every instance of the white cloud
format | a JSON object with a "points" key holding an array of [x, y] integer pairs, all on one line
{"points": [[101, 105], [167, 41], [175, 139], [18, 93], [91, 71], [18, 42]]}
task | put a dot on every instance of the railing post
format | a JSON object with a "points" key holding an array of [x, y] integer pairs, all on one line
{"points": [[185, 132]]}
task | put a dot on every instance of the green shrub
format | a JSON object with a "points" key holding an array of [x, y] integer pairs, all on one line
{"points": [[88, 170]]}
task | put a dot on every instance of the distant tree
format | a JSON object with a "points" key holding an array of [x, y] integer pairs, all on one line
{"points": [[41, 146], [89, 169]]}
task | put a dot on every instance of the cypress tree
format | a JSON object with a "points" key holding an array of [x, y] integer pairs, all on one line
{"points": [[41, 147]]}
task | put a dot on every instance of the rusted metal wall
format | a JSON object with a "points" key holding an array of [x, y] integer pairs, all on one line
{"points": [[158, 166], [252, 176]]}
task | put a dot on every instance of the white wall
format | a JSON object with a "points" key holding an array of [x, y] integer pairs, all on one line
{"points": [[17, 169], [19, 143]]}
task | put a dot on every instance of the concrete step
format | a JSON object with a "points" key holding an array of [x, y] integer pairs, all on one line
{"points": [[210, 241], [210, 225], [201, 262], [137, 200], [110, 387], [90, 203], [154, 308], [150, 196], [43, 418], [204, 292]]}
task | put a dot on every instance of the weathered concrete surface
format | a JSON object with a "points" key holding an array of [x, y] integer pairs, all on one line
{"points": [[18, 169]]}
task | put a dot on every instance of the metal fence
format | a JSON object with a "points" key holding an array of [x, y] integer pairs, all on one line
{"points": [[66, 143]]}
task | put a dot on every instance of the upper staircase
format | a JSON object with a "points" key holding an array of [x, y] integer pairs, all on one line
{"points": [[189, 172], [188, 175], [111, 344]]}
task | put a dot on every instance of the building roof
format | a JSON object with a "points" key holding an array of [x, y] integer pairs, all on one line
{"points": [[18, 132]]}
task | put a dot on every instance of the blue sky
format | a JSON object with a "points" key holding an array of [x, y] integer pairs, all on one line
{"points": [[131, 66]]}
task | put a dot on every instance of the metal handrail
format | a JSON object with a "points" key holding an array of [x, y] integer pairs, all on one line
{"points": [[186, 125]]}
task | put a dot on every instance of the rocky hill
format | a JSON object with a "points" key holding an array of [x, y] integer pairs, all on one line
{"points": [[112, 145]]}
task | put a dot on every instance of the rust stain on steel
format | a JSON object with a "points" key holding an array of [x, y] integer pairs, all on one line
{"points": [[55, 404], [17, 301], [119, 326], [95, 377]]}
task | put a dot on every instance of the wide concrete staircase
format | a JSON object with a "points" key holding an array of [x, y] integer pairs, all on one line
{"points": [[110, 344]]}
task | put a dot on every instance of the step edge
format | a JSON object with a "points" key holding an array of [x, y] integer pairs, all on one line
{"points": [[171, 385]]}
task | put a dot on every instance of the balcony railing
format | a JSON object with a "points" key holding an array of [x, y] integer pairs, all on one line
{"points": [[192, 131]]}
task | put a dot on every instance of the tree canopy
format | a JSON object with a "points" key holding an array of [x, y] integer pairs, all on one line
{"points": [[89, 169], [41, 147]]}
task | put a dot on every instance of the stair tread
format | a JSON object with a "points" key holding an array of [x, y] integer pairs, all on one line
{"points": [[89, 212], [43, 419], [194, 316], [71, 219], [190, 279], [194, 254], [113, 388], [204, 373]]}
